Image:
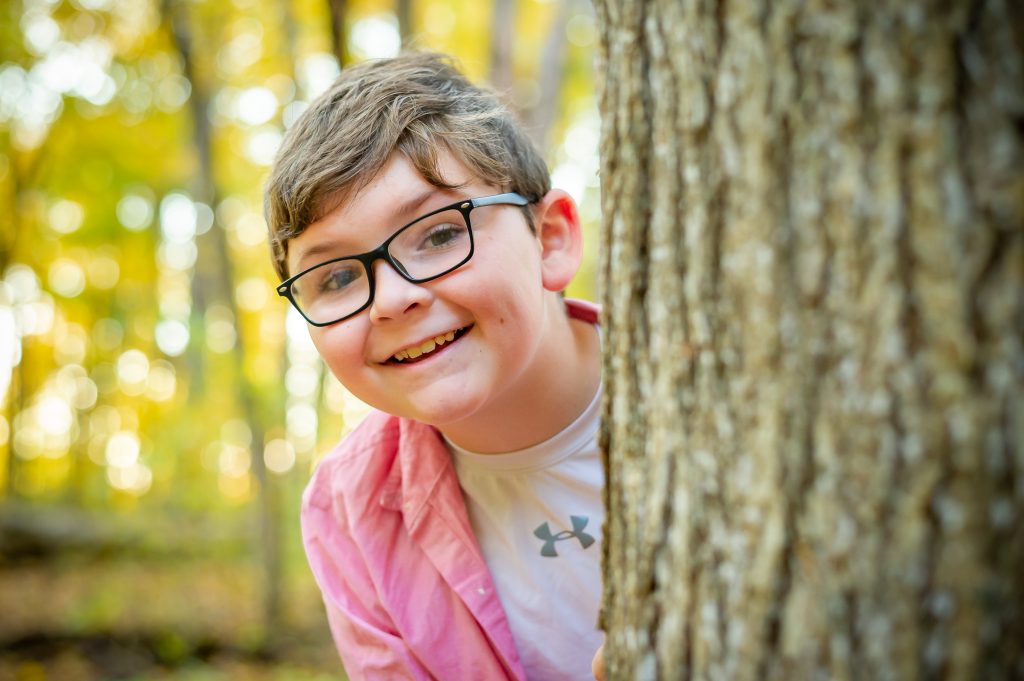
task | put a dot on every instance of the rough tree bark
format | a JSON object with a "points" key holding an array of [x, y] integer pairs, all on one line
{"points": [[813, 272]]}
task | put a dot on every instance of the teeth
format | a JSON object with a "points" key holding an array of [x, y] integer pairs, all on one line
{"points": [[425, 347]]}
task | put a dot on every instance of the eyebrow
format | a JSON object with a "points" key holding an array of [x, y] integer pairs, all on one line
{"points": [[404, 208]]}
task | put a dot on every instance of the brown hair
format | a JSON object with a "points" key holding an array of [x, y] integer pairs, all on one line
{"points": [[417, 103]]}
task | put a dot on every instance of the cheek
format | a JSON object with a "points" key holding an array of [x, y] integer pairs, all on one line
{"points": [[340, 348], [510, 271]]}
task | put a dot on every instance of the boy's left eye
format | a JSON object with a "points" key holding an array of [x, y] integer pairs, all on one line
{"points": [[442, 235], [439, 236]]}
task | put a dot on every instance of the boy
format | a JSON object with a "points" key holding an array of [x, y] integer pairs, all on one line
{"points": [[455, 534]]}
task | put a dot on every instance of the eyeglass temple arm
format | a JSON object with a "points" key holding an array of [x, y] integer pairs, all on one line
{"points": [[509, 198]]}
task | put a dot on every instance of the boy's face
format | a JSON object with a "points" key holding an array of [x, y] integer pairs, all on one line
{"points": [[494, 304]]}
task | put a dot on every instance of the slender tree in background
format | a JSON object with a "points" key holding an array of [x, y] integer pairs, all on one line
{"points": [[213, 285], [503, 19], [23, 169], [813, 264], [403, 11], [8, 243], [338, 11], [541, 116]]}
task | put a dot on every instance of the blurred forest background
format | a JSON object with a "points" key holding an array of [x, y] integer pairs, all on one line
{"points": [[161, 408]]}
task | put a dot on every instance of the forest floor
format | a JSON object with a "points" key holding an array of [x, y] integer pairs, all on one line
{"points": [[188, 619]]}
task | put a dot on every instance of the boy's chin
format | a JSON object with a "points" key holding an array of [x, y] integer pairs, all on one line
{"points": [[441, 419], [442, 414]]}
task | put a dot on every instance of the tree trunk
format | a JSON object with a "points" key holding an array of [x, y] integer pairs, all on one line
{"points": [[339, 30], [213, 283], [403, 12], [503, 19], [541, 116], [813, 263], [22, 175]]}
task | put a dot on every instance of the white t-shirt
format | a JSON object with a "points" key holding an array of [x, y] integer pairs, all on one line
{"points": [[537, 514]]}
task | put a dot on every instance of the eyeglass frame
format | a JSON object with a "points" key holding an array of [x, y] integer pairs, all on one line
{"points": [[367, 259]]}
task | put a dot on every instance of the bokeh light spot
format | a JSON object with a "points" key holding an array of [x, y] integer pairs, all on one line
{"points": [[256, 105], [262, 146], [86, 393], [23, 282], [252, 294], [66, 277], [136, 479], [178, 218], [132, 371], [302, 380], [10, 347], [220, 329], [70, 344], [204, 217], [301, 420], [36, 319], [41, 32], [172, 92], [162, 381], [234, 460], [279, 456], [177, 256], [65, 216], [123, 449], [95, 5], [251, 230], [569, 177], [28, 438], [54, 415], [243, 50], [172, 337], [317, 72], [376, 37], [135, 212]]}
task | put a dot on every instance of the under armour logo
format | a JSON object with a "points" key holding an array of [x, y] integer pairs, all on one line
{"points": [[543, 531]]}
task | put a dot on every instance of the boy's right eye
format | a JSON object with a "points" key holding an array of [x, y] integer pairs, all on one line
{"points": [[336, 277]]}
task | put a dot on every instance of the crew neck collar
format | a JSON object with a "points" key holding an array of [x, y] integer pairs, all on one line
{"points": [[558, 447]]}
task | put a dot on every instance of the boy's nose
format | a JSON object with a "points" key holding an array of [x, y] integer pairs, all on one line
{"points": [[393, 295]]}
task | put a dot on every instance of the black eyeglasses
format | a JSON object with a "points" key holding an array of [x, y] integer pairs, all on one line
{"points": [[429, 247]]}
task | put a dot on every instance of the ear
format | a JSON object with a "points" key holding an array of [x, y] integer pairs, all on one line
{"points": [[558, 230]]}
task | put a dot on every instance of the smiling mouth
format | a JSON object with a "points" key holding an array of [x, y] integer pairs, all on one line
{"points": [[427, 348]]}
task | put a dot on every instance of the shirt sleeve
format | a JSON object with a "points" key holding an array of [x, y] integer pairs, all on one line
{"points": [[363, 632]]}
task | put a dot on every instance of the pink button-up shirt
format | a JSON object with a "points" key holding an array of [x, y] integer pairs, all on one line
{"points": [[407, 591]]}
